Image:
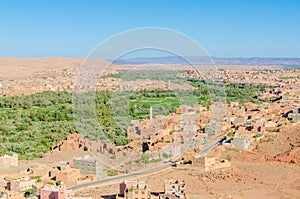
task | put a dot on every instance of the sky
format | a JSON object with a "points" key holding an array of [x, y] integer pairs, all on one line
{"points": [[225, 28]]}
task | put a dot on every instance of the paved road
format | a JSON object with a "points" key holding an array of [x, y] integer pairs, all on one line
{"points": [[119, 178], [209, 147]]}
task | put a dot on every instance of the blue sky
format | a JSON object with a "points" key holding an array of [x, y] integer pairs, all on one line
{"points": [[72, 28]]}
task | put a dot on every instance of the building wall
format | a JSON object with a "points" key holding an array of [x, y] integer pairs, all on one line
{"points": [[11, 195], [88, 167], [48, 194], [55, 192], [69, 176], [20, 185], [135, 190], [203, 162], [9, 161], [175, 187]]}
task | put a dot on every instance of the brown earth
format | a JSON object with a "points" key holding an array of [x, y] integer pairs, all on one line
{"points": [[283, 146], [22, 68], [243, 180]]}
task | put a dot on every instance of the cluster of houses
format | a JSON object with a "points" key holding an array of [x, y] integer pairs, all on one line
{"points": [[77, 141], [160, 135], [45, 182], [173, 189], [51, 181]]}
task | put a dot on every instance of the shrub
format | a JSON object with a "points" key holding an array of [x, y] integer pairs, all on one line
{"points": [[130, 189], [111, 173], [165, 155], [37, 178], [31, 192], [258, 135], [228, 157], [230, 134]]}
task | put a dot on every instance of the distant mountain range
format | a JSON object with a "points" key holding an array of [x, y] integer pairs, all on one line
{"points": [[217, 60]]}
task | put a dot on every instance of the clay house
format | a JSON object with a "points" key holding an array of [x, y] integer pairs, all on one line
{"points": [[209, 163], [171, 150], [55, 192], [159, 125], [134, 190], [295, 115], [189, 123], [252, 107], [7, 161], [62, 166], [45, 172], [145, 128], [88, 165], [68, 176], [160, 140], [99, 147], [73, 176], [258, 127], [203, 161], [21, 184], [271, 126], [204, 120], [170, 125], [238, 121], [213, 128], [242, 130], [5, 194], [73, 141], [219, 112], [133, 132], [174, 189], [168, 196], [240, 111], [178, 110], [263, 106]]}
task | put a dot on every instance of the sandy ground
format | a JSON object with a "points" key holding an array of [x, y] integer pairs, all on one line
{"points": [[23, 68], [244, 180]]}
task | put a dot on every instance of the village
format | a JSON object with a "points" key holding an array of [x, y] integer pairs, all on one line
{"points": [[178, 138], [150, 99]]}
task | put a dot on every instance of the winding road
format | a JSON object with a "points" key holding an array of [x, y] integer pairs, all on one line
{"points": [[119, 179]]}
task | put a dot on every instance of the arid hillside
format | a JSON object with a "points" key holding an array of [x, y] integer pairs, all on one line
{"points": [[23, 68]]}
